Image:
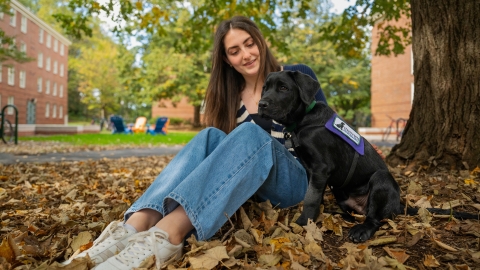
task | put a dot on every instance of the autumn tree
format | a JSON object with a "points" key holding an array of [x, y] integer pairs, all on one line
{"points": [[345, 81], [443, 124]]}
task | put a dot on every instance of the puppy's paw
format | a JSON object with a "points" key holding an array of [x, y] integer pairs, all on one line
{"points": [[361, 233], [302, 220]]}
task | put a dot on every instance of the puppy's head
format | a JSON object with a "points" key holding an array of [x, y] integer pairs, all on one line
{"points": [[286, 95]]}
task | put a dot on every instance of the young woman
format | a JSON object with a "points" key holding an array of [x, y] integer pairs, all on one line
{"points": [[239, 155]]}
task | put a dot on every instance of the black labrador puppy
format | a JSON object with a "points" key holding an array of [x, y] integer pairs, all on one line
{"points": [[333, 154]]}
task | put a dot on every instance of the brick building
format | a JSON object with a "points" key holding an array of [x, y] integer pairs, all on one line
{"points": [[38, 88], [392, 84]]}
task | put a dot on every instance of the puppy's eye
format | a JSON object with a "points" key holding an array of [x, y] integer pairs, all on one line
{"points": [[283, 88]]}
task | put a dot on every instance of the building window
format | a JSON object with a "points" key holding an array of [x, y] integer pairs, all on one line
{"points": [[55, 45], [40, 36], [40, 60], [47, 64], [49, 41], [23, 24], [411, 61], [47, 110], [39, 84], [54, 111], [23, 78], [60, 94], [61, 49], [60, 112], [61, 70], [47, 87], [11, 76], [55, 67], [13, 17], [1, 15], [10, 101], [23, 47], [54, 89], [0, 80]]}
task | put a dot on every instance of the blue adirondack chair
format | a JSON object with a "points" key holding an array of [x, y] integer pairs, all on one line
{"points": [[159, 125], [119, 126]]}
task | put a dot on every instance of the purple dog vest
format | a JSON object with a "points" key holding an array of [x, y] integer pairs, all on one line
{"points": [[344, 131]]}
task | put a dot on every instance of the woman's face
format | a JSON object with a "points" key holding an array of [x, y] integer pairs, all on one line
{"points": [[242, 52]]}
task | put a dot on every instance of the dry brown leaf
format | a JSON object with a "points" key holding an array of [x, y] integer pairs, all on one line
{"points": [[382, 241], [210, 258], [81, 239], [269, 259], [245, 220], [399, 254], [430, 261], [444, 246], [313, 232]]}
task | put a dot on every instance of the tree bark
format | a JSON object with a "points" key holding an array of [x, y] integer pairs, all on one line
{"points": [[196, 116], [444, 123]]}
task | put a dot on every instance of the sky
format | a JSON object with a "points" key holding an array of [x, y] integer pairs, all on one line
{"points": [[341, 5]]}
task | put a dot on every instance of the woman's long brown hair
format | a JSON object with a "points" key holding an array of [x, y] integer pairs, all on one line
{"points": [[222, 99]]}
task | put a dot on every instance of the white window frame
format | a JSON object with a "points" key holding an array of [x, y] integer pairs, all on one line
{"points": [[62, 49], [54, 89], [40, 60], [10, 101], [49, 40], [22, 78], [60, 91], [47, 110], [39, 84], [54, 111], [13, 17], [55, 45], [55, 67], [23, 24], [60, 111], [47, 87], [47, 64], [11, 76], [61, 70], [40, 36], [23, 47], [1, 15]]}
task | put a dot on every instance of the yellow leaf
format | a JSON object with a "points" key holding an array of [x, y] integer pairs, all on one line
{"points": [[139, 5]]}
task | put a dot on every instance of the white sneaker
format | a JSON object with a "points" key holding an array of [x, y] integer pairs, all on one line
{"points": [[111, 241], [142, 246]]}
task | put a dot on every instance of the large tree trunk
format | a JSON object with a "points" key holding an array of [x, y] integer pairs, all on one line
{"points": [[444, 124]]}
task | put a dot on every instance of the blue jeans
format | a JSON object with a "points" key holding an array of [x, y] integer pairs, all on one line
{"points": [[216, 173]]}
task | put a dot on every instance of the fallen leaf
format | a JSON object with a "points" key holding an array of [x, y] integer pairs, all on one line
{"points": [[430, 261], [399, 254]]}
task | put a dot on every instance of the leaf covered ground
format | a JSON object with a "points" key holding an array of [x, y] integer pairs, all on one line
{"points": [[48, 211]]}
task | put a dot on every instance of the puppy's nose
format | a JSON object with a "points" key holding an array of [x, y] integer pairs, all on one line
{"points": [[263, 104]]}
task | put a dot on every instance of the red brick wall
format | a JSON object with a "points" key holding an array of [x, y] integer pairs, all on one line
{"points": [[165, 108], [33, 72], [391, 84]]}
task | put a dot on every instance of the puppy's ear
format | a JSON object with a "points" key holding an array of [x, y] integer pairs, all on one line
{"points": [[308, 86]]}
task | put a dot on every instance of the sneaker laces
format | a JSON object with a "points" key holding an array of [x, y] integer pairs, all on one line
{"points": [[115, 230], [141, 243]]}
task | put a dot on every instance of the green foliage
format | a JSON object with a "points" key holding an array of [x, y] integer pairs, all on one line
{"points": [[351, 34], [172, 138]]}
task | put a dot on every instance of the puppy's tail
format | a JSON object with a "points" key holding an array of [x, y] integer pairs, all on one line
{"points": [[455, 214]]}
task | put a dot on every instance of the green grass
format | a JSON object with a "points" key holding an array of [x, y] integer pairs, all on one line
{"points": [[173, 138]]}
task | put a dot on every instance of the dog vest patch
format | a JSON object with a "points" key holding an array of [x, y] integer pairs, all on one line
{"points": [[342, 129]]}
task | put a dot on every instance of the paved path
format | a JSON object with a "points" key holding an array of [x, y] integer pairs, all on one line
{"points": [[6, 158]]}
